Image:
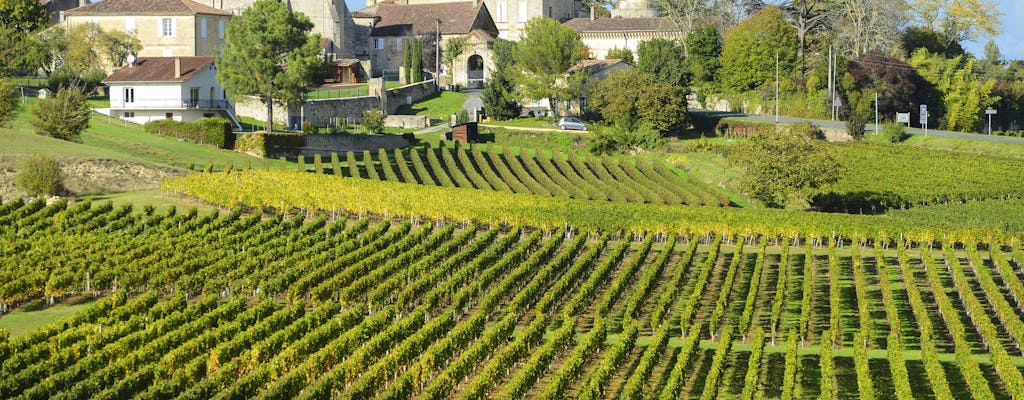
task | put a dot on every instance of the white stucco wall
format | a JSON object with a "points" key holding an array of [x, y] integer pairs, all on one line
{"points": [[154, 100]]}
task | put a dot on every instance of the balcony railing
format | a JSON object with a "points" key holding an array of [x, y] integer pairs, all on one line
{"points": [[172, 104]]}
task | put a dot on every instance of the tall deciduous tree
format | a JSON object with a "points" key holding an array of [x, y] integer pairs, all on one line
{"points": [[663, 59], [629, 96], [807, 16], [23, 15], [959, 20], [864, 25], [268, 53], [779, 166], [116, 45], [748, 57], [543, 57], [684, 14]]}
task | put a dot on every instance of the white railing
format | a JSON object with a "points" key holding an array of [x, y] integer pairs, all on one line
{"points": [[172, 104]]}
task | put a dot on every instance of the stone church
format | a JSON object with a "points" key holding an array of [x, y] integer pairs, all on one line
{"points": [[511, 15]]}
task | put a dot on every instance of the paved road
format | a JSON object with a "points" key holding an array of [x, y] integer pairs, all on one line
{"points": [[869, 127], [474, 102]]}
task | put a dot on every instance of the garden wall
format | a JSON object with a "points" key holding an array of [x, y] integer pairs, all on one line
{"points": [[292, 145]]}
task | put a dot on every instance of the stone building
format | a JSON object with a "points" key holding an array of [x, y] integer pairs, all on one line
{"points": [[601, 35], [510, 15], [331, 19], [391, 26], [166, 28]]}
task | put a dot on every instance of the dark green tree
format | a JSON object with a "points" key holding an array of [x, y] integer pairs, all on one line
{"points": [[704, 50], [63, 116], [783, 166], [626, 55], [748, 56], [269, 53], [373, 121], [543, 56], [499, 95], [9, 104], [663, 59], [917, 37], [628, 97], [407, 62], [417, 61]]}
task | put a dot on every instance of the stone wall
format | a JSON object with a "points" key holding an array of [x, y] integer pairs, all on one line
{"points": [[406, 121], [407, 94], [327, 144], [327, 112]]}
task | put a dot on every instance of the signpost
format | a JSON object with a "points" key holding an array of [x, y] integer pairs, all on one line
{"points": [[924, 118], [990, 112], [903, 118]]}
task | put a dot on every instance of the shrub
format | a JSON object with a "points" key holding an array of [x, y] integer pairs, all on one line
{"points": [[9, 104], [63, 116], [808, 130], [891, 133], [63, 78], [855, 126], [613, 140], [373, 121], [308, 128], [40, 175], [213, 131]]}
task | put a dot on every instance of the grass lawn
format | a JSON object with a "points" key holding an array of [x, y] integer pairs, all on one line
{"points": [[966, 145], [154, 198], [34, 315], [439, 106], [533, 122]]}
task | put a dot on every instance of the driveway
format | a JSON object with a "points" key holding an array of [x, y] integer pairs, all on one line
{"points": [[474, 102]]}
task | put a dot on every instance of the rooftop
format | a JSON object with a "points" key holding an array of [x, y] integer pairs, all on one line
{"points": [[146, 7], [159, 69]]}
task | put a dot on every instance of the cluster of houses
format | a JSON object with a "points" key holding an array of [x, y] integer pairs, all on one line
{"points": [[173, 76]]}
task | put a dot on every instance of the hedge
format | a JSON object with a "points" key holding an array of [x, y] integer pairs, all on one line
{"points": [[212, 131], [264, 144]]}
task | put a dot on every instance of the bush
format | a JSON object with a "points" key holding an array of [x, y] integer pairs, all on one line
{"points": [[63, 78], [212, 131], [308, 128], [373, 121], [805, 129], [891, 133], [9, 104], [40, 175], [63, 116], [270, 145], [855, 126], [613, 140]]}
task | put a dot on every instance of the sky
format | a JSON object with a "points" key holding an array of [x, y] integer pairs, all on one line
{"points": [[1010, 41]]}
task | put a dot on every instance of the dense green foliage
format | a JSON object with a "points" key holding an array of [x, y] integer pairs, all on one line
{"points": [[499, 95], [272, 306], [750, 50], [373, 121], [63, 116], [268, 53], [10, 103], [213, 131], [782, 165], [664, 60], [629, 97], [704, 47], [40, 175], [543, 55]]}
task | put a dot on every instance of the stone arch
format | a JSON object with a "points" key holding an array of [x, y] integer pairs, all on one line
{"points": [[475, 71]]}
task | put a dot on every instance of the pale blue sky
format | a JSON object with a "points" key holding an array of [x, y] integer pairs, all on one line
{"points": [[1010, 42]]}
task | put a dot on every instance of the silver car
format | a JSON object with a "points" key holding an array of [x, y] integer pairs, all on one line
{"points": [[571, 123]]}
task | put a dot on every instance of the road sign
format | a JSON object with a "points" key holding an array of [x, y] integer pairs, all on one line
{"points": [[990, 111], [903, 118], [924, 118]]}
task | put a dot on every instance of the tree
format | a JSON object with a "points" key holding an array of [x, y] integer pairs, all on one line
{"points": [[898, 85], [9, 104], [417, 60], [917, 37], [782, 166], [23, 15], [864, 25], [116, 45], [807, 17], [407, 62], [63, 116], [499, 95], [543, 57], [964, 93], [663, 59], [40, 175], [992, 53], [373, 121], [748, 57], [628, 97], [624, 54], [268, 53], [704, 52], [959, 20], [685, 14]]}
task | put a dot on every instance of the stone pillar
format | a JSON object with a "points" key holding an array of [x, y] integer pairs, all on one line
{"points": [[377, 89]]}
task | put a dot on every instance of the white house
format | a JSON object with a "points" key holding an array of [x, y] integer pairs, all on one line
{"points": [[178, 88]]}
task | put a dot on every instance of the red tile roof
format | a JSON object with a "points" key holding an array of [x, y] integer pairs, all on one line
{"points": [[650, 24], [413, 19], [146, 7], [159, 69]]}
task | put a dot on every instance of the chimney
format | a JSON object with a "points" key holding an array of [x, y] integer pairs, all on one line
{"points": [[177, 67], [592, 13]]}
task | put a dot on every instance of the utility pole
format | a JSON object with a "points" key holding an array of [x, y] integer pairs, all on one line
{"points": [[777, 87], [831, 99], [437, 55]]}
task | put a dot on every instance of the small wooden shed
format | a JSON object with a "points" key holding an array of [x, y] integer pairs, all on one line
{"points": [[465, 132]]}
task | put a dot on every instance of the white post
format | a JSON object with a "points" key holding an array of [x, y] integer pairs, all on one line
{"points": [[990, 124], [777, 91], [876, 112]]}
